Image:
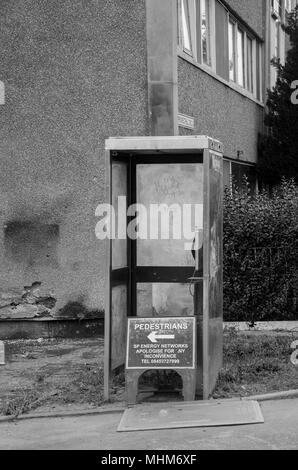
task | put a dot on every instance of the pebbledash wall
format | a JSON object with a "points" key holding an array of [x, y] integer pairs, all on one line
{"points": [[221, 108], [75, 73], [220, 111]]}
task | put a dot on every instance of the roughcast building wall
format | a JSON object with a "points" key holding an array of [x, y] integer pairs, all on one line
{"points": [[75, 73]]}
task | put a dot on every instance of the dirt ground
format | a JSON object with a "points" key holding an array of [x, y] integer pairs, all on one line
{"points": [[50, 374], [54, 375]]}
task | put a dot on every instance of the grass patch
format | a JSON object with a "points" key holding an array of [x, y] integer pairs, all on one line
{"points": [[256, 364], [86, 387], [23, 402]]}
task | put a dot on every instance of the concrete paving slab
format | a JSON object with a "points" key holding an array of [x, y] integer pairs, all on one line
{"points": [[190, 415]]}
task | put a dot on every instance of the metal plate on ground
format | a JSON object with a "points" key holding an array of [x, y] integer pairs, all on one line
{"points": [[190, 415]]}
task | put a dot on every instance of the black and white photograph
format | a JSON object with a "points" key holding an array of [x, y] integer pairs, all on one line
{"points": [[148, 229]]}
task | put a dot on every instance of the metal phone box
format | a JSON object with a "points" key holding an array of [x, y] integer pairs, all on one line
{"points": [[164, 244]]}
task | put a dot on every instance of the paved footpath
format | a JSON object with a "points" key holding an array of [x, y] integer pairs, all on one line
{"points": [[99, 432]]}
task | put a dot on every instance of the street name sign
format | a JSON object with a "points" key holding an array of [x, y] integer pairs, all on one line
{"points": [[185, 121], [161, 343]]}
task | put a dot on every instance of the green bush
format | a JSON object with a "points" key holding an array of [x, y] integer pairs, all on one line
{"points": [[261, 254]]}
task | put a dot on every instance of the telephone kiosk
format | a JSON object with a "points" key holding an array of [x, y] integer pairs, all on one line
{"points": [[162, 186]]}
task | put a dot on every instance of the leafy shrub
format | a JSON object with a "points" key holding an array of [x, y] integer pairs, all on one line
{"points": [[261, 254]]}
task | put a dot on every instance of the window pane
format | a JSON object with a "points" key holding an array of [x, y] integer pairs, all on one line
{"points": [[119, 185], [186, 26], [276, 48], [259, 73], [280, 8], [221, 38], [240, 171], [173, 186], [276, 45], [277, 7], [249, 65], [167, 300], [231, 51], [205, 31], [240, 57]]}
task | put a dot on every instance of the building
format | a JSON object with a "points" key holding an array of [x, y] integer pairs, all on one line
{"points": [[230, 45], [78, 71]]}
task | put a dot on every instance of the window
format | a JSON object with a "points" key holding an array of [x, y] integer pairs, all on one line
{"points": [[277, 35], [245, 63], [221, 41], [185, 26], [240, 58], [234, 174], [259, 68], [250, 80], [217, 40], [275, 47], [277, 8], [195, 29], [205, 31], [232, 65], [240, 171], [290, 5], [276, 40]]}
